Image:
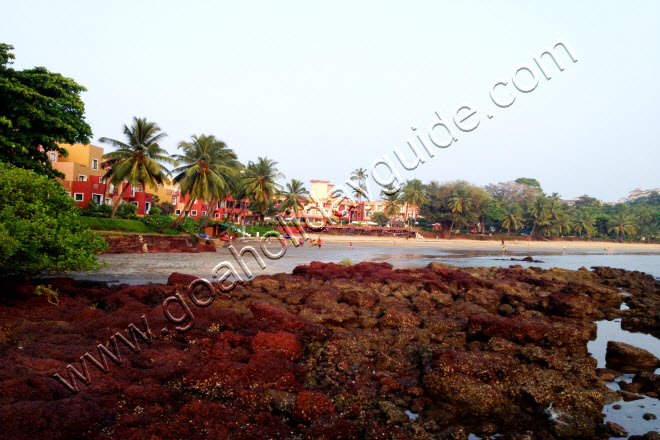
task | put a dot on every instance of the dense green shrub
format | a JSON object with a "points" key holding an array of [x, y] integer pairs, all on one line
{"points": [[127, 211], [94, 210], [40, 227], [155, 210], [189, 225], [157, 221]]}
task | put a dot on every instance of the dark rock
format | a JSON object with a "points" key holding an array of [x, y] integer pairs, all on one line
{"points": [[180, 279], [615, 430], [649, 416], [622, 354]]}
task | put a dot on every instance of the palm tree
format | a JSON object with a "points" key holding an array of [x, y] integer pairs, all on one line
{"points": [[360, 175], [538, 211], [138, 160], [512, 219], [208, 171], [622, 224], [644, 215], [562, 223], [414, 194], [584, 222], [260, 183], [392, 199], [294, 193], [460, 203]]}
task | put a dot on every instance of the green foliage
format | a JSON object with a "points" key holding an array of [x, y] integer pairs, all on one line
{"points": [[52, 295], [127, 211], [295, 197], [259, 182], [457, 203], [155, 210], [119, 225], [189, 225], [379, 218], [40, 227], [138, 160], [346, 262], [528, 181], [156, 222], [38, 107], [94, 210]]}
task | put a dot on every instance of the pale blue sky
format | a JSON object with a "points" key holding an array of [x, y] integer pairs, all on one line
{"points": [[327, 89]]}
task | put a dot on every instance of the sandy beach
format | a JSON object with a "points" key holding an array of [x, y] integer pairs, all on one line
{"points": [[497, 244]]}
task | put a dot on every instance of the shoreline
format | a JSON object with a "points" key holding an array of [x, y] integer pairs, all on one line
{"points": [[495, 244]]}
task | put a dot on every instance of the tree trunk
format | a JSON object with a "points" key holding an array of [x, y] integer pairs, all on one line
{"points": [[209, 213], [177, 221], [120, 195]]}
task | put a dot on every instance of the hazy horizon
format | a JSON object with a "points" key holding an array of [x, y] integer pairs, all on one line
{"points": [[327, 89]]}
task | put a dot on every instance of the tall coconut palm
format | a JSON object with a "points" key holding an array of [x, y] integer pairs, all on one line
{"points": [[260, 184], [138, 159], [392, 198], [512, 219], [414, 194], [294, 193], [459, 203], [623, 225], [538, 212], [360, 175], [584, 222], [207, 172], [562, 223]]}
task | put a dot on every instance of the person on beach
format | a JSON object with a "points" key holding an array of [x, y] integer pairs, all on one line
{"points": [[503, 250]]}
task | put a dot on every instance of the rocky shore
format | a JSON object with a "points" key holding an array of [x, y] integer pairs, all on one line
{"points": [[328, 352]]}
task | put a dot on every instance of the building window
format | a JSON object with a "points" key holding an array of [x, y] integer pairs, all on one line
{"points": [[178, 212], [102, 180], [78, 197], [222, 204], [95, 164], [203, 213], [147, 206], [193, 213], [82, 178], [217, 215], [174, 200], [53, 157], [108, 201], [137, 204], [97, 198]]}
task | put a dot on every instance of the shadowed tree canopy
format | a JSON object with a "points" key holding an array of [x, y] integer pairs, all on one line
{"points": [[38, 107], [455, 204], [532, 183]]}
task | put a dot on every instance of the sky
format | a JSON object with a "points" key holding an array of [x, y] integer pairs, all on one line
{"points": [[327, 88]]}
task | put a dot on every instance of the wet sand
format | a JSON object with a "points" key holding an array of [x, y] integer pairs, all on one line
{"points": [[511, 244]]}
